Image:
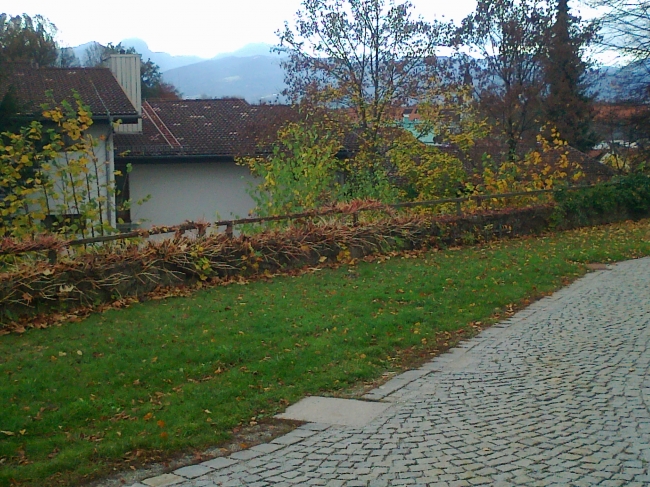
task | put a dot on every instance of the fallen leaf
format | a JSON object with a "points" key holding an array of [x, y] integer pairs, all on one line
{"points": [[148, 416]]}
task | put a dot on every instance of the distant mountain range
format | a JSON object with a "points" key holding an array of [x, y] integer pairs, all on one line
{"points": [[164, 60], [254, 73], [255, 78]]}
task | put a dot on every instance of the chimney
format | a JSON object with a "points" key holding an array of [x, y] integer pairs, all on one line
{"points": [[126, 69]]}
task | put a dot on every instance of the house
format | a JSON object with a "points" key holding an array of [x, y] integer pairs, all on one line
{"points": [[98, 88], [182, 166]]}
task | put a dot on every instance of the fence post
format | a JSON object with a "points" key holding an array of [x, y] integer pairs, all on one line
{"points": [[52, 256], [355, 219], [229, 230]]}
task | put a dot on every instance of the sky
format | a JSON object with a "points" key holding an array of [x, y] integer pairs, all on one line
{"points": [[202, 28], [194, 27]]}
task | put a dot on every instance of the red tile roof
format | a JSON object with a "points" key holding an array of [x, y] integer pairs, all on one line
{"points": [[97, 87], [225, 127]]}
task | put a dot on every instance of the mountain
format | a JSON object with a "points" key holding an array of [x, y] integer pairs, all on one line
{"points": [[254, 49], [164, 60], [254, 73], [255, 78], [80, 51]]}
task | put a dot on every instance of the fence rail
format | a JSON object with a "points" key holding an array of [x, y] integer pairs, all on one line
{"points": [[229, 225]]}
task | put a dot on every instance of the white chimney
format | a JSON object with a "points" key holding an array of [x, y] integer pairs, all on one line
{"points": [[126, 69]]}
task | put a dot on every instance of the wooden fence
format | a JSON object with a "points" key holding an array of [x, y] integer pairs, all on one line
{"points": [[53, 248]]}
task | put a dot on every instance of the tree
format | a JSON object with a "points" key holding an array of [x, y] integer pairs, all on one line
{"points": [[67, 58], [153, 85], [365, 55], [301, 172], [506, 40], [626, 27], [25, 38], [52, 179], [567, 106]]}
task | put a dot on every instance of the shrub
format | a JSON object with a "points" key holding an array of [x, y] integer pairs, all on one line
{"points": [[625, 196]]}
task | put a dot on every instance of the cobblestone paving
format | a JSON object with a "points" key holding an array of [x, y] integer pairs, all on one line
{"points": [[557, 395]]}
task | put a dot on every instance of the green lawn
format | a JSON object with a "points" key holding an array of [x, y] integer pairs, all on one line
{"points": [[172, 375]]}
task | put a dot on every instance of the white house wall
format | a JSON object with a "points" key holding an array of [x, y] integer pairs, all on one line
{"points": [[189, 191], [103, 151]]}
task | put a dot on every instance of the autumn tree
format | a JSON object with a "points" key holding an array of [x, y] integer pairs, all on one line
{"points": [[567, 106], [52, 177], [625, 27], [25, 38], [506, 44], [367, 56]]}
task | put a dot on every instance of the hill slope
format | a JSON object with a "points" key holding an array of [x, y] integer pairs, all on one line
{"points": [[254, 78]]}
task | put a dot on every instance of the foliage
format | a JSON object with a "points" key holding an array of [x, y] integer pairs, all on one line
{"points": [[626, 27], [27, 39], [139, 385], [546, 167], [567, 106], [303, 171], [51, 178], [430, 173], [627, 195], [367, 176], [9, 107], [506, 44], [365, 55]]}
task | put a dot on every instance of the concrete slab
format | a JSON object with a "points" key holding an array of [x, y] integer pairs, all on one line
{"points": [[219, 462], [267, 447], [245, 454], [330, 410], [315, 426], [163, 480], [193, 471]]}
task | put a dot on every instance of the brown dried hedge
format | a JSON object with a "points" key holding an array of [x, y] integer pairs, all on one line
{"points": [[133, 270]]}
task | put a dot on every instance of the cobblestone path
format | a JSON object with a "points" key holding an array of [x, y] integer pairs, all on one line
{"points": [[557, 395]]}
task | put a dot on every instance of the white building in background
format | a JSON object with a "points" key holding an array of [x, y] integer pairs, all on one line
{"points": [[183, 163], [99, 89]]}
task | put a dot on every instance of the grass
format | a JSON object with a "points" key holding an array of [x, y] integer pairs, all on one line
{"points": [[167, 376]]}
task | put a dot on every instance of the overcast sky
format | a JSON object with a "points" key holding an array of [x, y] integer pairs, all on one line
{"points": [[198, 27], [203, 28]]}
